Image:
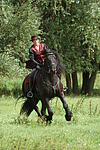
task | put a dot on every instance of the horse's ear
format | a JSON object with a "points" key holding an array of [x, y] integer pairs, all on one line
{"points": [[45, 46], [46, 50]]}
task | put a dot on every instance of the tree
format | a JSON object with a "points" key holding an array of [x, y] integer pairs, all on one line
{"points": [[19, 20], [70, 28], [92, 44]]}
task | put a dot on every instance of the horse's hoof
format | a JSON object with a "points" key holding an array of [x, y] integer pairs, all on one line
{"points": [[50, 121], [68, 117]]}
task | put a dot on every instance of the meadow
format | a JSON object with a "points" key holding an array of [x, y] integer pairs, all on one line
{"points": [[81, 133]]}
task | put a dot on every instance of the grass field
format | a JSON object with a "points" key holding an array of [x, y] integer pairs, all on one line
{"points": [[82, 133]]}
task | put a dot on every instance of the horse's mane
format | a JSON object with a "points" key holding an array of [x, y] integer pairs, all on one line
{"points": [[61, 66]]}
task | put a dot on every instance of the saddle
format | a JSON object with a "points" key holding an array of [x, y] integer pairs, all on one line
{"points": [[36, 77]]}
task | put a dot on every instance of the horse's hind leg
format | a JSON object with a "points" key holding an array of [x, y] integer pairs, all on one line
{"points": [[37, 110], [43, 110], [65, 105], [50, 112]]}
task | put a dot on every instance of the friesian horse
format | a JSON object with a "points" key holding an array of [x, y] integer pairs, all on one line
{"points": [[47, 87]]}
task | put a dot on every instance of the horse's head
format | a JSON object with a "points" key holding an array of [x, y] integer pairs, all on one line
{"points": [[50, 63]]}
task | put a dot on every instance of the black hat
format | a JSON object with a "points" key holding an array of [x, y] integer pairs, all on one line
{"points": [[34, 37]]}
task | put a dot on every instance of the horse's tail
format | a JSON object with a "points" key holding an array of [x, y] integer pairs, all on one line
{"points": [[21, 96], [27, 108]]}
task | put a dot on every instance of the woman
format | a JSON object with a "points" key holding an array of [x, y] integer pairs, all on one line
{"points": [[37, 57]]}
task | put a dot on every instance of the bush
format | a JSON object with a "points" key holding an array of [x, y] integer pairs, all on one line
{"points": [[11, 86]]}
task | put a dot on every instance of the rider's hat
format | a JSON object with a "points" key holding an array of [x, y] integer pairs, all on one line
{"points": [[34, 37]]}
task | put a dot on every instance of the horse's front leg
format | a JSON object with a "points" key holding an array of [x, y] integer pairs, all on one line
{"points": [[65, 106]]}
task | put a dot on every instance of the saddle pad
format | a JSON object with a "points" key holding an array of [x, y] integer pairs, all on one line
{"points": [[38, 75], [28, 78]]}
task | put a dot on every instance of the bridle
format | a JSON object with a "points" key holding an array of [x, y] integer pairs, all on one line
{"points": [[54, 70]]}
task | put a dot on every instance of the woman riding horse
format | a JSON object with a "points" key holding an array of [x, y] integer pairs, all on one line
{"points": [[36, 55], [47, 87]]}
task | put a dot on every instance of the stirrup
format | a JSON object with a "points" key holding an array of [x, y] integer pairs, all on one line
{"points": [[29, 94]]}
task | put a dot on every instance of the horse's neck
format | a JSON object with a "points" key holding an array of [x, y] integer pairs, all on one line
{"points": [[54, 78], [50, 77], [46, 75]]}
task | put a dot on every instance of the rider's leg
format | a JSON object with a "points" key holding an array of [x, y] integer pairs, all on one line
{"points": [[31, 84]]}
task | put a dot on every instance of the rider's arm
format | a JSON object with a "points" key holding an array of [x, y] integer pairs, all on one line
{"points": [[31, 56]]}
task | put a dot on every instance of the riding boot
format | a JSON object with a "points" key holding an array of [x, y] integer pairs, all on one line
{"points": [[30, 94], [31, 84]]}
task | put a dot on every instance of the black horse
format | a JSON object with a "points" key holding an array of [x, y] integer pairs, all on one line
{"points": [[47, 87]]}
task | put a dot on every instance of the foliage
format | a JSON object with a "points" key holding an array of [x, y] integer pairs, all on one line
{"points": [[18, 23], [10, 86], [11, 83], [70, 28]]}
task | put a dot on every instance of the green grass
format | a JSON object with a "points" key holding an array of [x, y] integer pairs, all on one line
{"points": [[82, 133]]}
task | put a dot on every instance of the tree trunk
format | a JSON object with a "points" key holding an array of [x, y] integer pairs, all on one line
{"points": [[75, 82], [68, 83], [91, 82], [88, 82], [85, 82]]}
